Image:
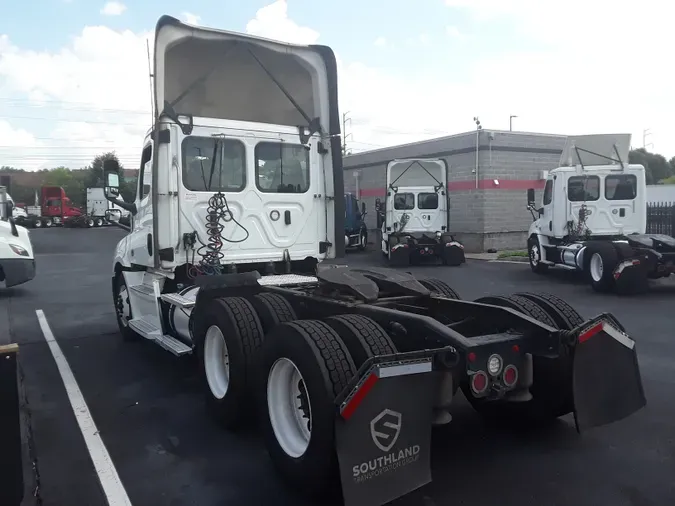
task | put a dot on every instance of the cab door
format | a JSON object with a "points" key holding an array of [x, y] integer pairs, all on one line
{"points": [[140, 238]]}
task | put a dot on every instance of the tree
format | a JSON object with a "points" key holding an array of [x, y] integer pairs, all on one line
{"points": [[657, 168]]}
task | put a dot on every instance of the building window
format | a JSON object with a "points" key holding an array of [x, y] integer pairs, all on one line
{"points": [[281, 167], [583, 188], [621, 187], [212, 164], [427, 201], [404, 201]]}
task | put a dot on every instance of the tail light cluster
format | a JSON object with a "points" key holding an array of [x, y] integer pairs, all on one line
{"points": [[496, 372]]}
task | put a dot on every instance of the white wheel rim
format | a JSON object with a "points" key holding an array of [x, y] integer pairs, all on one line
{"points": [[123, 309], [597, 267], [216, 362], [363, 239], [290, 422], [534, 254]]}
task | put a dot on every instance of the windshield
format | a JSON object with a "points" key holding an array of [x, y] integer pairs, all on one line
{"points": [[213, 164]]}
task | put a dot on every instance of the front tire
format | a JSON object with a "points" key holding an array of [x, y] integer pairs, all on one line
{"points": [[535, 253], [123, 308], [363, 240]]}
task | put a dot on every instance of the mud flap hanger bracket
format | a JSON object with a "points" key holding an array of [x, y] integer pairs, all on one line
{"points": [[386, 366]]}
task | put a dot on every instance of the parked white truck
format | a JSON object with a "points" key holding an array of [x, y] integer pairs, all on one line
{"points": [[593, 218], [417, 213], [17, 261], [99, 208], [346, 369]]}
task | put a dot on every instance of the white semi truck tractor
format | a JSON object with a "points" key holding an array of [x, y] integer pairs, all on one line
{"points": [[593, 218], [416, 222], [239, 203]]}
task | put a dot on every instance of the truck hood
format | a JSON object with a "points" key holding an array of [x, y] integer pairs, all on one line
{"points": [[6, 238], [266, 82]]}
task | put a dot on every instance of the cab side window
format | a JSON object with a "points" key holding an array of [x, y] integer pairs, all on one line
{"points": [[548, 192], [145, 173]]}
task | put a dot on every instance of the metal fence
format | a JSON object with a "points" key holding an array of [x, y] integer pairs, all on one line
{"points": [[661, 218]]}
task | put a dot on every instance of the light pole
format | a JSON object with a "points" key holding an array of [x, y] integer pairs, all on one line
{"points": [[511, 122], [478, 129]]}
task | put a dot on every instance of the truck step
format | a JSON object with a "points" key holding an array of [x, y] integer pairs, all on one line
{"points": [[173, 345], [149, 330], [287, 279], [177, 300], [143, 289]]}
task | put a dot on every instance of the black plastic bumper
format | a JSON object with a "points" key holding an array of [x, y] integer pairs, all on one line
{"points": [[18, 270]]}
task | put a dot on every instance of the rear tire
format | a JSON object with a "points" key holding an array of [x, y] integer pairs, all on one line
{"points": [[551, 379], [48, 222], [601, 259], [272, 310], [324, 367], [363, 336], [439, 287], [228, 336]]}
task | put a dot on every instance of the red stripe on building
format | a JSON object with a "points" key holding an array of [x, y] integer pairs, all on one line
{"points": [[483, 184]]}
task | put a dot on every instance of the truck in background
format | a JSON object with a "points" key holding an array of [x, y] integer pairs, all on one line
{"points": [[53, 207], [356, 232], [98, 208], [417, 213], [593, 218]]}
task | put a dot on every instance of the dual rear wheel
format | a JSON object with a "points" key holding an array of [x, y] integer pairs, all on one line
{"points": [[259, 362]]}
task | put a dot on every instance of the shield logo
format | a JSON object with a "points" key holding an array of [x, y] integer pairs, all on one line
{"points": [[385, 429]]}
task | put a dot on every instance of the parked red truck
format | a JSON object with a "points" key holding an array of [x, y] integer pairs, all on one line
{"points": [[53, 208]]}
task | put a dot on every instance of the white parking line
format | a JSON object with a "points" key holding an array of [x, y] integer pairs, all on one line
{"points": [[107, 474]]}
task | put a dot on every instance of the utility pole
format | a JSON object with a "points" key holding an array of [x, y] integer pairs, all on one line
{"points": [[645, 133], [345, 120], [511, 122]]}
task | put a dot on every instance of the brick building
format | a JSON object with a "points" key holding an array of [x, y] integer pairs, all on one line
{"points": [[487, 186]]}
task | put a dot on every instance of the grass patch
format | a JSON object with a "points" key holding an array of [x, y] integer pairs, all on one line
{"points": [[507, 254]]}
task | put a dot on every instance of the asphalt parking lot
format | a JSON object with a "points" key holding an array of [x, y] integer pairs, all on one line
{"points": [[149, 410]]}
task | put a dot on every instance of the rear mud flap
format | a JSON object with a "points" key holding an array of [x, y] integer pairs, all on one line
{"points": [[606, 377], [383, 433]]}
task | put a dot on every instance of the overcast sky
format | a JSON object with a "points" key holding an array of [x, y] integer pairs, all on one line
{"points": [[74, 79]]}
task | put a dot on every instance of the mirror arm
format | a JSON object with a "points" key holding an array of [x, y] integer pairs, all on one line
{"points": [[129, 206], [119, 225]]}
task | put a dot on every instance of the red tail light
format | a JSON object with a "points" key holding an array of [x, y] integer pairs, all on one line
{"points": [[510, 376], [479, 382]]}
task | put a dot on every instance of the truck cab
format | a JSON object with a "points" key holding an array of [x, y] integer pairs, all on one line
{"points": [[417, 214], [241, 181], [610, 200]]}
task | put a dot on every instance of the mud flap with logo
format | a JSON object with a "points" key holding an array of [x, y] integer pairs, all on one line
{"points": [[383, 433], [606, 379]]}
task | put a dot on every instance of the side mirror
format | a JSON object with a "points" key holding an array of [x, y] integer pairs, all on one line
{"points": [[363, 208], [113, 215], [530, 197]]}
